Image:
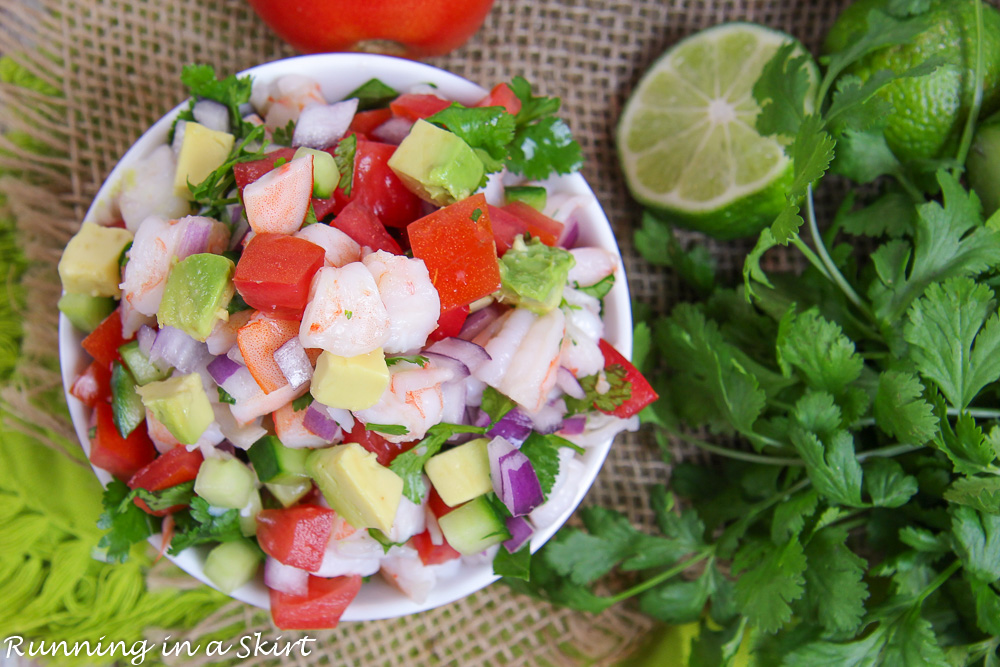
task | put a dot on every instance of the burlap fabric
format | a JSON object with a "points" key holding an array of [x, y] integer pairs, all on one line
{"points": [[115, 65]]}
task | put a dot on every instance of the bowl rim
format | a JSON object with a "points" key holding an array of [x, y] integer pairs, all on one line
{"points": [[340, 73]]}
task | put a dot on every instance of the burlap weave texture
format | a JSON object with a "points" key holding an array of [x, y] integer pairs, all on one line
{"points": [[116, 64]]}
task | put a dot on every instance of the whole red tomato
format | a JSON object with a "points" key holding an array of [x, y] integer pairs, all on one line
{"points": [[409, 28]]}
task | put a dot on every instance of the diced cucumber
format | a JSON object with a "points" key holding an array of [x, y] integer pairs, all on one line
{"points": [[139, 365], [232, 564], [127, 409], [225, 483], [473, 527], [289, 494], [532, 195], [248, 514], [275, 463], [85, 311], [326, 176]]}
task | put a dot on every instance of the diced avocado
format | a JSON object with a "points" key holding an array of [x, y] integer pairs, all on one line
{"points": [[142, 369], [202, 152], [351, 383], [127, 410], [275, 463], [532, 275], [365, 493], [197, 294], [248, 514], [437, 165], [89, 264], [325, 173], [462, 473], [473, 527], [289, 494], [232, 564], [534, 196], [85, 311], [225, 483], [181, 405]]}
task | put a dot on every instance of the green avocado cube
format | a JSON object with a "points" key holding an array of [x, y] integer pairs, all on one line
{"points": [[181, 405], [462, 473], [532, 275], [197, 294], [437, 165], [85, 311], [357, 487]]}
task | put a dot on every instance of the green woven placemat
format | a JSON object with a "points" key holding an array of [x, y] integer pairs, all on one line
{"points": [[109, 69]]}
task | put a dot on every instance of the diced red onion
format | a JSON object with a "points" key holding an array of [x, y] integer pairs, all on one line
{"points": [[570, 234], [195, 238], [574, 425], [146, 337], [478, 321], [236, 355], [285, 578], [221, 368], [515, 426], [343, 417], [321, 125], [227, 447], [470, 354], [294, 362], [549, 418], [514, 479], [481, 419], [175, 348], [393, 131], [459, 371], [566, 381], [520, 533], [320, 424]]}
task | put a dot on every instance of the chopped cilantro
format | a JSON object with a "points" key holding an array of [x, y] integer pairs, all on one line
{"points": [[348, 314], [231, 91], [372, 94], [224, 397], [388, 429], [495, 404], [198, 525], [124, 522], [410, 465], [413, 359], [600, 289], [283, 136], [343, 155], [478, 213], [615, 386], [302, 402]]}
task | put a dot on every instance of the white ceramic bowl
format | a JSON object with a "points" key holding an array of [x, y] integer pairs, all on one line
{"points": [[338, 75]]}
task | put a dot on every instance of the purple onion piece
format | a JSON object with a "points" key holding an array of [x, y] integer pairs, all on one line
{"points": [[570, 386], [344, 418], [459, 371], [294, 362], [320, 424], [514, 479], [467, 352], [549, 418], [520, 533], [514, 426], [480, 418], [175, 348], [195, 237], [498, 448], [240, 228], [478, 321], [570, 235], [574, 425], [221, 369]]}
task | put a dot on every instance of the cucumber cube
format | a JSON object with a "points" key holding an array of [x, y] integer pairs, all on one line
{"points": [[473, 527], [532, 195], [289, 494], [139, 365], [326, 176], [225, 483], [232, 564], [277, 464], [127, 409], [248, 514]]}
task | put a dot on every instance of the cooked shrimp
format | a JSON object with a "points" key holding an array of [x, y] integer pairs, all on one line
{"points": [[580, 353], [278, 201], [340, 248], [345, 315], [501, 342], [289, 427], [592, 266], [259, 404], [403, 568], [284, 98], [149, 190], [413, 400], [409, 297]]}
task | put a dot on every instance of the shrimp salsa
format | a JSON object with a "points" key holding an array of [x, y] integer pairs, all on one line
{"points": [[335, 340]]}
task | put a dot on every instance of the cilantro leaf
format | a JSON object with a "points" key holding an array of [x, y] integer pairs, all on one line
{"points": [[657, 244], [283, 135], [600, 289], [987, 606], [532, 107], [887, 484], [382, 539], [542, 143], [180, 494], [678, 601], [487, 130], [302, 402], [965, 444], [976, 541], [343, 155], [231, 91], [835, 589], [388, 429], [771, 577], [979, 493], [862, 653], [819, 350], [225, 397], [831, 464], [899, 409], [616, 390], [125, 522], [516, 565], [954, 330], [914, 643], [372, 94], [413, 359], [211, 193], [790, 516], [864, 155], [543, 452], [198, 526], [892, 214], [410, 465], [495, 404], [781, 91]]}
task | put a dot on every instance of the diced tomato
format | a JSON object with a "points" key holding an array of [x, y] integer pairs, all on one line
{"points": [[296, 536], [502, 96], [385, 451], [103, 342], [258, 340], [320, 608], [539, 225], [324, 207], [450, 323], [412, 106], [437, 505], [506, 227], [358, 222], [376, 186], [275, 271], [365, 122], [176, 466], [642, 391], [93, 386], [248, 172], [122, 457], [430, 553], [456, 243]]}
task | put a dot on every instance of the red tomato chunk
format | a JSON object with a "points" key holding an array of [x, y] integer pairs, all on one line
{"points": [[430, 553], [456, 243], [358, 222], [296, 536], [642, 391], [93, 386], [384, 450], [412, 106], [320, 608], [122, 457], [502, 96], [103, 342], [176, 466], [275, 271], [378, 188]]}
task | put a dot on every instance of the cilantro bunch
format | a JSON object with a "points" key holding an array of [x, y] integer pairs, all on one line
{"points": [[851, 511]]}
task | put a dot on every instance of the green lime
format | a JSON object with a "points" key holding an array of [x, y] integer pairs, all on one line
{"points": [[928, 112], [984, 164], [687, 139]]}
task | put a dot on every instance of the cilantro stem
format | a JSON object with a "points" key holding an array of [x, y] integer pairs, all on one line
{"points": [[663, 576], [977, 413], [739, 455], [977, 95], [887, 452], [938, 581], [811, 256]]}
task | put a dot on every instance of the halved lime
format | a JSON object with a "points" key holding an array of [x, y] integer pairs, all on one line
{"points": [[687, 139]]}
